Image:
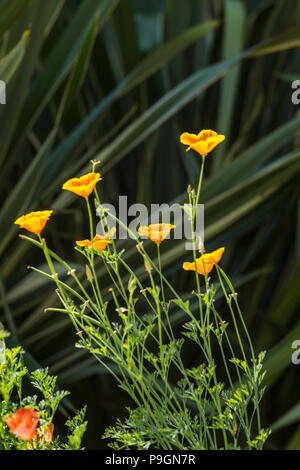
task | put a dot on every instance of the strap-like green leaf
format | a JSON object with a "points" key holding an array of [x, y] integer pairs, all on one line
{"points": [[10, 62]]}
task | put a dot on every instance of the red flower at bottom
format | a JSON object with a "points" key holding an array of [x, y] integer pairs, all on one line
{"points": [[23, 423]]}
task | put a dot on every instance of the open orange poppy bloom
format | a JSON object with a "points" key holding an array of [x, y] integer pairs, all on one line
{"points": [[84, 185], [205, 263], [156, 232], [23, 423], [35, 221], [203, 143], [98, 243]]}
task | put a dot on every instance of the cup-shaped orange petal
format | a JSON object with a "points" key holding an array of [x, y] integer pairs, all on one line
{"points": [[204, 142], [84, 185], [217, 255], [188, 139], [156, 232], [205, 263], [35, 221], [23, 423]]}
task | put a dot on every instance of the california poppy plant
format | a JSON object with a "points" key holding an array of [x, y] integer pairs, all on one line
{"points": [[205, 263], [156, 232], [84, 185], [203, 143], [23, 423], [35, 221]]}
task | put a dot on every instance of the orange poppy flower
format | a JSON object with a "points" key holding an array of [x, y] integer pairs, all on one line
{"points": [[98, 243], [205, 263], [156, 232], [35, 221], [203, 143], [23, 423], [84, 185]]}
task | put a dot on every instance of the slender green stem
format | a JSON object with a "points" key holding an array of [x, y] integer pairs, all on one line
{"points": [[160, 275]]}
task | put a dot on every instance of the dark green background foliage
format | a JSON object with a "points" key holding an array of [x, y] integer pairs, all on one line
{"points": [[118, 81]]}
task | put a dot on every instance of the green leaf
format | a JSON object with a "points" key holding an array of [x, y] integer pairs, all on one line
{"points": [[38, 14], [82, 62], [290, 417], [233, 43], [281, 42], [251, 159], [10, 62], [279, 357], [62, 57], [22, 194], [10, 11], [150, 65]]}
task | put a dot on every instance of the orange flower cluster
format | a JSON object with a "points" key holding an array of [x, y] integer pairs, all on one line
{"points": [[203, 143], [83, 186]]}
